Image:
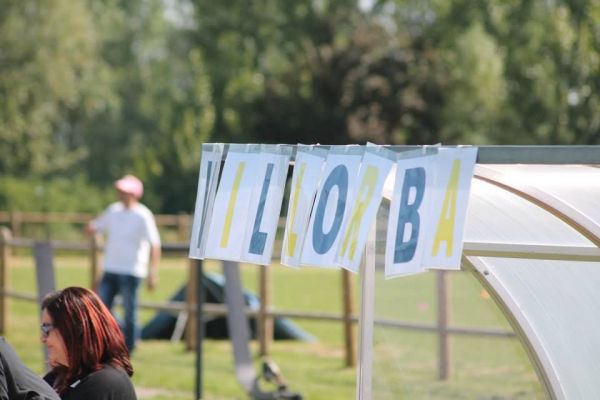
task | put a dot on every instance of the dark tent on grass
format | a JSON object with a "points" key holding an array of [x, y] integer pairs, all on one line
{"points": [[163, 323]]}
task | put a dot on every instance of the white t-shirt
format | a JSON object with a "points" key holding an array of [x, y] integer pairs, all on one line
{"points": [[129, 234]]}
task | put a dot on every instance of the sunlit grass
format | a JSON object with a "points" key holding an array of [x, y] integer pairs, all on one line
{"points": [[405, 362]]}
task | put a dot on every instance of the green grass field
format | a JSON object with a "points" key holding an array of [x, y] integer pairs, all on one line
{"points": [[405, 362]]}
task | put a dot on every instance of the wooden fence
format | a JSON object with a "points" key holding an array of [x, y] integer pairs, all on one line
{"points": [[264, 315], [16, 220]]}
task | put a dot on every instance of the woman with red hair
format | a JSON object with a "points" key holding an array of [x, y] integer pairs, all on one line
{"points": [[86, 349]]}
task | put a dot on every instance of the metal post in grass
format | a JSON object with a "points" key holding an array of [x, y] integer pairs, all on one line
{"points": [[364, 372], [44, 273], [199, 327], [4, 254], [191, 291], [442, 325], [264, 320], [349, 331]]}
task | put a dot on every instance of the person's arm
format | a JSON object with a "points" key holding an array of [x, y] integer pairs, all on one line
{"points": [[97, 225], [155, 253], [90, 228]]}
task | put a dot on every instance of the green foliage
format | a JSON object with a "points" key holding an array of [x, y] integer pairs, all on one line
{"points": [[165, 111], [49, 75], [477, 92], [59, 194], [111, 87], [53, 195]]}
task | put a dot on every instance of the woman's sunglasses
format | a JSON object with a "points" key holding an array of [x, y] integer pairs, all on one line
{"points": [[46, 329]]}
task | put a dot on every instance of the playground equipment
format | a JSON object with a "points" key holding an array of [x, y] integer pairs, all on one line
{"points": [[240, 337], [163, 325]]}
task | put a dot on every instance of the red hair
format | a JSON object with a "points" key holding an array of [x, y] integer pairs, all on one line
{"points": [[91, 334]]}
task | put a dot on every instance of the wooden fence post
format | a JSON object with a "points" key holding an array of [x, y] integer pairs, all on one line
{"points": [[4, 256], [16, 222], [443, 318], [264, 320], [94, 262], [183, 227], [349, 331]]}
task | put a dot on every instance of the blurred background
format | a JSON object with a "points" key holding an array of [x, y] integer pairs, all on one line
{"points": [[93, 89]]}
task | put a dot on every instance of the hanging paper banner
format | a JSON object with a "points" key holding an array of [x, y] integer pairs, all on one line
{"points": [[332, 206], [454, 171], [308, 168], [265, 203], [333, 201], [374, 169], [231, 210], [410, 214], [210, 166]]}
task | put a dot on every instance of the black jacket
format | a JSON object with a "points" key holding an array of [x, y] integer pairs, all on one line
{"points": [[108, 383], [17, 382]]}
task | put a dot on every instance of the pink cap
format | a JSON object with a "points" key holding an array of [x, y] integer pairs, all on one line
{"points": [[130, 184]]}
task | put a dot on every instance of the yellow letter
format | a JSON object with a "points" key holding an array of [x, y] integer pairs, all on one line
{"points": [[445, 230], [367, 187], [231, 204], [292, 236]]}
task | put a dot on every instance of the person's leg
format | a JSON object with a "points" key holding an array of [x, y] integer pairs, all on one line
{"points": [[108, 288], [129, 291]]}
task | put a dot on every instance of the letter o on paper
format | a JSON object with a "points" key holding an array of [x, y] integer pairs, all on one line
{"points": [[322, 241]]}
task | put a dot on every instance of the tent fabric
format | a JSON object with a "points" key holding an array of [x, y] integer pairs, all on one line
{"points": [[553, 302]]}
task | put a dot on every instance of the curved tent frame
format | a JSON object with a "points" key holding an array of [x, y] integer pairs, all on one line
{"points": [[545, 281], [532, 239]]}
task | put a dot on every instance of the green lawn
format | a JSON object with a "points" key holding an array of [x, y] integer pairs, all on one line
{"points": [[405, 362]]}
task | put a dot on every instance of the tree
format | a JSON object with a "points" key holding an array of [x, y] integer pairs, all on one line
{"points": [[165, 109], [545, 58], [49, 72]]}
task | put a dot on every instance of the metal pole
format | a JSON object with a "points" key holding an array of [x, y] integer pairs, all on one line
{"points": [[348, 313], [444, 347], [364, 372], [199, 328]]}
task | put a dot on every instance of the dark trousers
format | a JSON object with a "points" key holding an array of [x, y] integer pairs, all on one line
{"points": [[127, 286]]}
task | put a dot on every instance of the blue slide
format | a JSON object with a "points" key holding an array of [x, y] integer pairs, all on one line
{"points": [[163, 323]]}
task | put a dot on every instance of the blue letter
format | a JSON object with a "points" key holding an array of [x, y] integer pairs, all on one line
{"points": [[204, 202], [408, 213], [258, 239], [322, 241]]}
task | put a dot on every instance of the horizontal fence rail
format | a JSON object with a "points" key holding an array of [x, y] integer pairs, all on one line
{"points": [[16, 220]]}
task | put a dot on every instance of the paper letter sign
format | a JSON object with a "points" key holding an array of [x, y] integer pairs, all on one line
{"points": [[410, 213], [374, 169], [454, 170], [210, 166], [308, 168], [231, 207], [331, 206], [265, 204]]}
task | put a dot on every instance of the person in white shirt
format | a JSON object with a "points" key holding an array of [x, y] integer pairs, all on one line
{"points": [[132, 252]]}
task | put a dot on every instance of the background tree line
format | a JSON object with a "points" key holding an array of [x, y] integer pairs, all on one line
{"points": [[93, 89]]}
